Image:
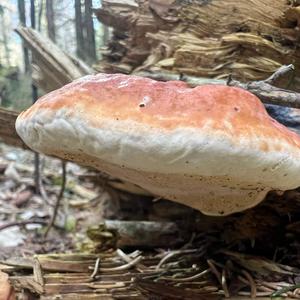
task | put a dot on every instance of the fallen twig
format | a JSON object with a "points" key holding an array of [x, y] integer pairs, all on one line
{"points": [[224, 284], [96, 268], [173, 253], [58, 200], [285, 290], [251, 283], [186, 279], [263, 89], [214, 270], [281, 72], [22, 223], [127, 266], [141, 268]]}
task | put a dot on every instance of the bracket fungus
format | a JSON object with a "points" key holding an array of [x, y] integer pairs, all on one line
{"points": [[211, 147]]}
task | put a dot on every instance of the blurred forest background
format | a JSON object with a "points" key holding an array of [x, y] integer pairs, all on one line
{"points": [[70, 24]]}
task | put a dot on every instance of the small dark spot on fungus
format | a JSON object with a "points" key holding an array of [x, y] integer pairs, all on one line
{"points": [[285, 175], [187, 162], [142, 105], [236, 108]]}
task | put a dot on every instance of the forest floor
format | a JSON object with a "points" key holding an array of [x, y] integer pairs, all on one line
{"points": [[80, 207], [251, 253]]}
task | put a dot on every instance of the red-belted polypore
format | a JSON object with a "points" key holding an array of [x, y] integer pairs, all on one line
{"points": [[211, 147]]}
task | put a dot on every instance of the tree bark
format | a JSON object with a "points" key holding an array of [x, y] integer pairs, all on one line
{"points": [[50, 20], [210, 39], [22, 18], [4, 37], [79, 30], [90, 34], [8, 132], [41, 8]]}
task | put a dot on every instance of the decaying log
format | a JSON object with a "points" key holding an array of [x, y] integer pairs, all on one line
{"points": [[272, 97], [8, 132], [263, 89], [145, 234], [51, 67], [179, 274], [249, 39]]}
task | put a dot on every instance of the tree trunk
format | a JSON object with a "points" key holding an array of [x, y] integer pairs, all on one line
{"points": [[79, 30], [41, 8], [4, 37], [50, 20], [90, 34], [22, 18]]}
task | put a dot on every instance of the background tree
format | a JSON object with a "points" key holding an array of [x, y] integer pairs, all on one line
{"points": [[4, 35], [79, 30], [40, 15], [22, 19], [85, 33], [90, 33], [50, 20]]}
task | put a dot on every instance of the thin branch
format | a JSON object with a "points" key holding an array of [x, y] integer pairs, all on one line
{"points": [[22, 223], [186, 279], [252, 284], [58, 200], [141, 268], [281, 72], [96, 268], [126, 266], [270, 94], [263, 89], [224, 284], [214, 270], [171, 254]]}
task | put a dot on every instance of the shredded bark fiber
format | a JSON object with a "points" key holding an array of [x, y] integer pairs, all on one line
{"points": [[248, 39]]}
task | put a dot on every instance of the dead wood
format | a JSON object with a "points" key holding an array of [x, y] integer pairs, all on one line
{"points": [[263, 89], [58, 199], [184, 275], [248, 39], [51, 67], [8, 132], [136, 234]]}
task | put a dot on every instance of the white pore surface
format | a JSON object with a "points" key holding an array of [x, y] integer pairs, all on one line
{"points": [[212, 157]]}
